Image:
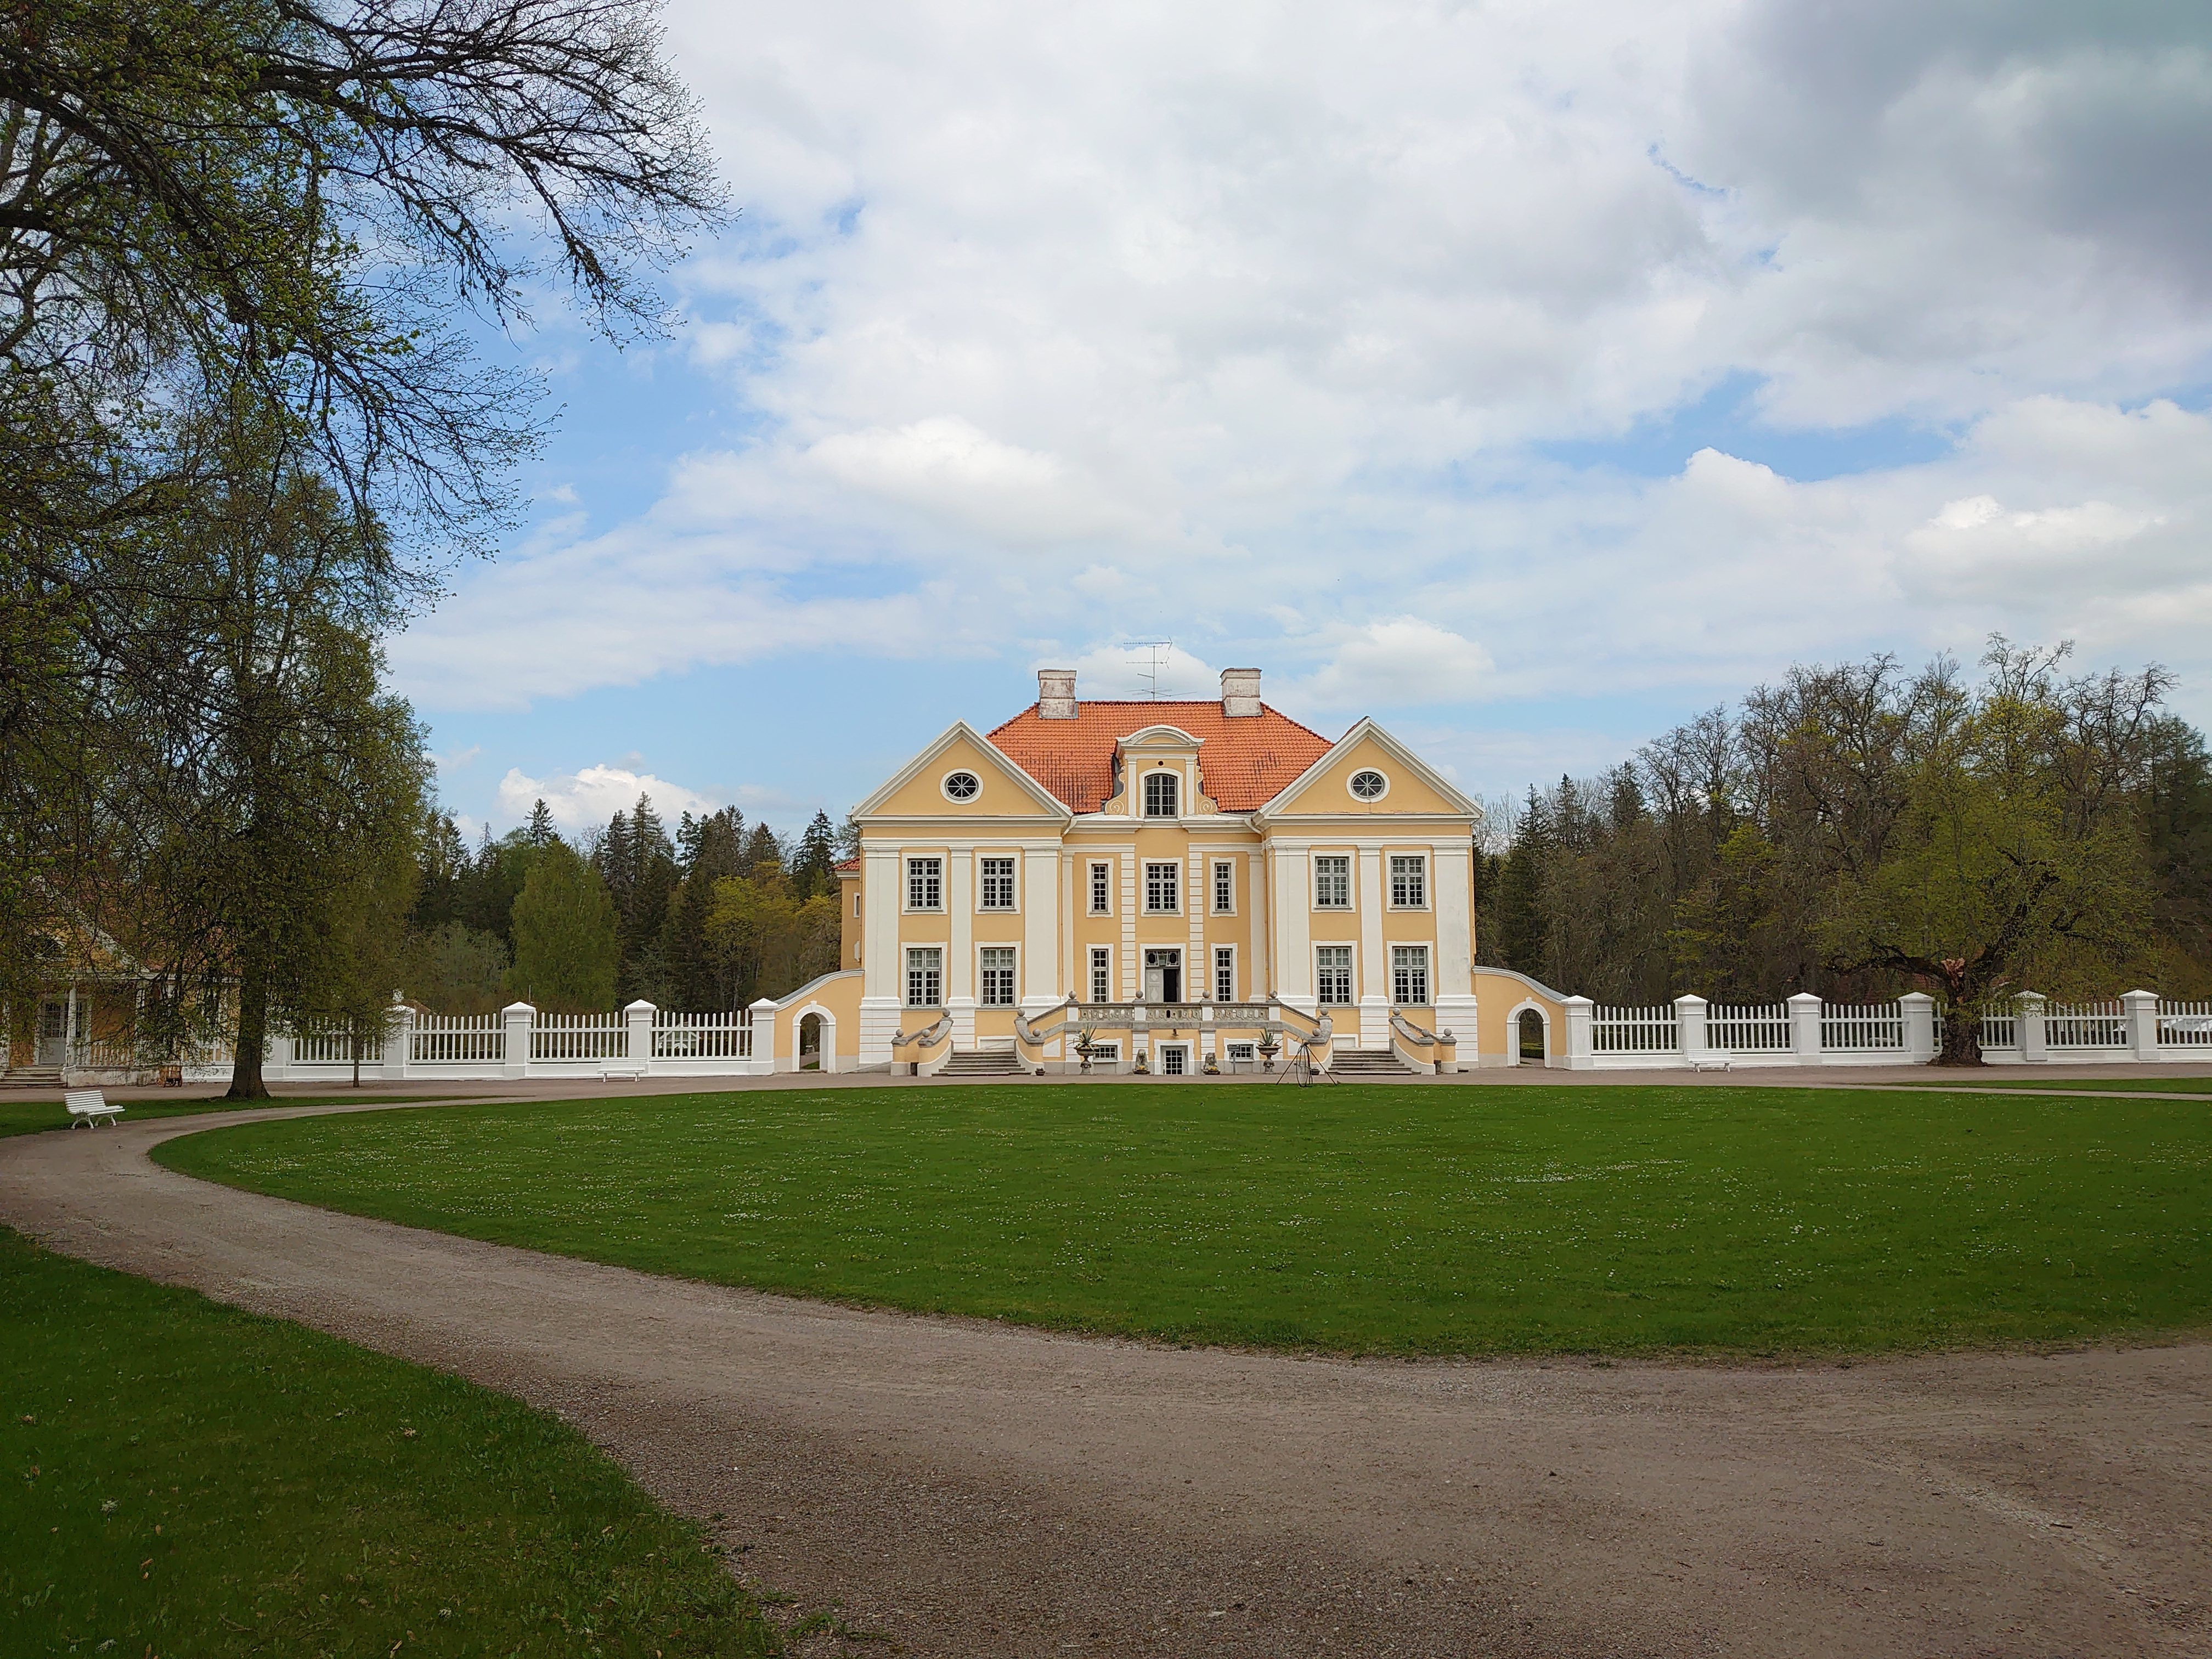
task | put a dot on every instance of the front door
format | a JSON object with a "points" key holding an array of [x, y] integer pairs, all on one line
{"points": [[1175, 1059], [53, 1033], [1163, 976]]}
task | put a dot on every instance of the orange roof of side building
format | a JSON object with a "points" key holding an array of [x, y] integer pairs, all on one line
{"points": [[1246, 761]]}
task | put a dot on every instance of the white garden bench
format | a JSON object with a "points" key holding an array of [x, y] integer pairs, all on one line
{"points": [[1715, 1063], [89, 1106]]}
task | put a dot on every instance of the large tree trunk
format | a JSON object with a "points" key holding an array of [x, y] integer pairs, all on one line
{"points": [[245, 1082], [1962, 1035]]}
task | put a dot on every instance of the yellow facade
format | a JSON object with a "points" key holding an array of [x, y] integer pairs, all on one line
{"points": [[1163, 873]]}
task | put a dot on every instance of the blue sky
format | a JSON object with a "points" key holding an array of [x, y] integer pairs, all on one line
{"points": [[1528, 378]]}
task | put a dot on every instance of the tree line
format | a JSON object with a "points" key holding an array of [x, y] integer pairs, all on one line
{"points": [[705, 921], [1861, 830], [245, 245]]}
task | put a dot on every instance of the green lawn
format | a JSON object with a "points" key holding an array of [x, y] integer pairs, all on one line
{"points": [[1367, 1218], [186, 1479], [2003, 1079]]}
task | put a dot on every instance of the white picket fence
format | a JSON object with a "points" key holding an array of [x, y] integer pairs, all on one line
{"points": [[1807, 1031], [523, 1042]]}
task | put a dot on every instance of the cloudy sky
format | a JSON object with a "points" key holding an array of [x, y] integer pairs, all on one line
{"points": [[1529, 375]]}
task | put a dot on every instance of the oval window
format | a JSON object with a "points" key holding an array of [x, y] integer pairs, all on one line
{"points": [[1369, 785], [962, 785]]}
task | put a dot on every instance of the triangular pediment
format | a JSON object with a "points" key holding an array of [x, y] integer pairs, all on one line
{"points": [[1412, 787], [918, 788]]}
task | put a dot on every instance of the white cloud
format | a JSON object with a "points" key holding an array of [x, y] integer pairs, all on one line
{"points": [[587, 799], [1246, 325]]}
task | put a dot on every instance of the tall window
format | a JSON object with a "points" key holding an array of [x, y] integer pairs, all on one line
{"points": [[997, 884], [925, 976], [925, 884], [1101, 974], [1333, 882], [1159, 794], [1409, 974], [1333, 973], [1225, 973], [1409, 881], [998, 971], [1224, 887], [1101, 888], [1161, 893]]}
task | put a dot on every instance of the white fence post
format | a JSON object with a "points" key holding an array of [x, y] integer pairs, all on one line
{"points": [[764, 1012], [278, 1065], [1690, 1029], [398, 1039], [1917, 1009], [2029, 1007], [518, 1018], [1582, 1047], [640, 1015], [2143, 1022], [1805, 1027]]}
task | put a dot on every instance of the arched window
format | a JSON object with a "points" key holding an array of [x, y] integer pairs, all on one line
{"points": [[1159, 794]]}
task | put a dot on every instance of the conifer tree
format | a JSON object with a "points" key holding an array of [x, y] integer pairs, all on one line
{"points": [[814, 864]]}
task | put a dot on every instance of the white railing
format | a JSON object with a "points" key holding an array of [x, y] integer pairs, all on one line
{"points": [[2185, 1025], [2085, 1025], [333, 1048], [1848, 1027], [1636, 1030], [579, 1037], [459, 1040], [701, 1036], [1748, 1030], [2000, 1028]]}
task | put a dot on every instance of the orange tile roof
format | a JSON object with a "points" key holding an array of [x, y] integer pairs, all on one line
{"points": [[848, 867], [1245, 762]]}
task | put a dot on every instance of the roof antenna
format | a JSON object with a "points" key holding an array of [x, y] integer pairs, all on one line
{"points": [[1158, 653]]}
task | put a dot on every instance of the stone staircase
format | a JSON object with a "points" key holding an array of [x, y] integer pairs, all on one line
{"points": [[31, 1077], [1352, 1064], [983, 1062]]}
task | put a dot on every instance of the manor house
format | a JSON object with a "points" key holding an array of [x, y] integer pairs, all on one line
{"points": [[1168, 880]]}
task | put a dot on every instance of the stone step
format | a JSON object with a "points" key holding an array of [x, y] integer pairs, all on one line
{"points": [[983, 1063], [1368, 1062]]}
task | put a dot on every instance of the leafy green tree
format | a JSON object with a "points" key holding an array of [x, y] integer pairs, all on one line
{"points": [[713, 849], [567, 940], [2018, 847], [770, 940], [457, 969]]}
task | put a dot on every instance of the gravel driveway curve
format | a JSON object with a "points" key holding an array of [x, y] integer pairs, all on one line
{"points": [[978, 1490]]}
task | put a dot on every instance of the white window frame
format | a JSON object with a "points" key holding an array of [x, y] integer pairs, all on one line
{"points": [[983, 880], [1108, 1051], [1339, 870], [1225, 961], [1102, 887], [1186, 1052], [1101, 974], [1401, 981], [1350, 996], [1174, 790], [927, 971], [984, 969], [1418, 875], [931, 866], [1224, 887], [945, 786], [1362, 771], [1173, 882]]}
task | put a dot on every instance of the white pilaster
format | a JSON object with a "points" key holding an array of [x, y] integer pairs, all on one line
{"points": [[880, 899], [1293, 906], [1040, 897], [1374, 959], [1259, 972], [1452, 867]]}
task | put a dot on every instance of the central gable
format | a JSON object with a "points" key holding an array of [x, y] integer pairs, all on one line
{"points": [[1244, 761]]}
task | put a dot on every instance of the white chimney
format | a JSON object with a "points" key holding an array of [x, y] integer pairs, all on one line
{"points": [[1240, 692], [1056, 693]]}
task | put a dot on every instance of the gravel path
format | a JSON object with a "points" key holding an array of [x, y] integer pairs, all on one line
{"points": [[976, 1490]]}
